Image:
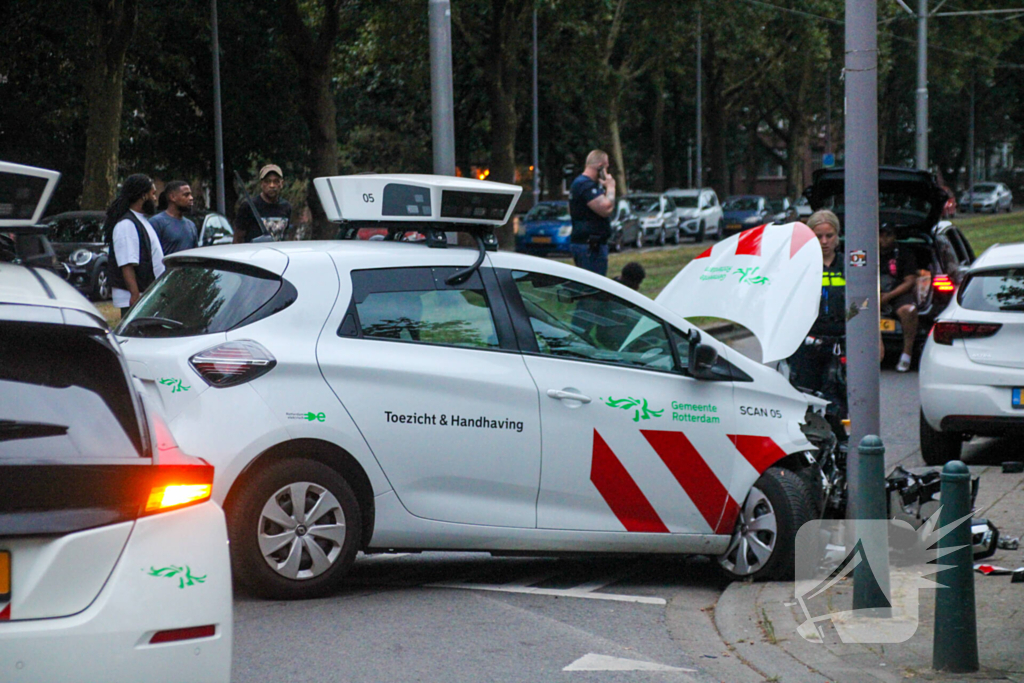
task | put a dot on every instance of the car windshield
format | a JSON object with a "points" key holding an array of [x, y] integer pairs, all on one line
{"points": [[549, 212], [984, 189], [741, 204], [686, 201], [203, 298], [994, 290], [76, 230], [777, 205], [66, 396], [645, 203]]}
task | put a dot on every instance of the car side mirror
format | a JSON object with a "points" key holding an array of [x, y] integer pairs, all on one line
{"points": [[702, 359]]}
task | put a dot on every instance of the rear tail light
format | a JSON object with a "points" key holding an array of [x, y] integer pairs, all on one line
{"points": [[943, 284], [177, 486], [177, 634], [946, 332], [237, 362]]}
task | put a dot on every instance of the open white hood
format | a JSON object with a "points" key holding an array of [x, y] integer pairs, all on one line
{"points": [[767, 279]]}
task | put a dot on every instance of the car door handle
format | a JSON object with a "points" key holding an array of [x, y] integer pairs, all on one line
{"points": [[568, 396]]}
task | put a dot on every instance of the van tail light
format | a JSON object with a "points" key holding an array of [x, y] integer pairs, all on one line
{"points": [[236, 362], [946, 332], [177, 486], [943, 284]]}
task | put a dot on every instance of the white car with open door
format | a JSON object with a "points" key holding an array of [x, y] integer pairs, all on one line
{"points": [[972, 368], [113, 559], [393, 396]]}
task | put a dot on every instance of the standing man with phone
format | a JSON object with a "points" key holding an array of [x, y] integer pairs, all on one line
{"points": [[591, 203]]}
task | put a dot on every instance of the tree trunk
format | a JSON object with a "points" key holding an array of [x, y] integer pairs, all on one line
{"points": [[313, 53], [618, 162], [658, 131], [502, 80], [111, 26], [715, 119], [319, 113]]}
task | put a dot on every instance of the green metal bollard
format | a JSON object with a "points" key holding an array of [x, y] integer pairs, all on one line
{"points": [[871, 582], [956, 631]]}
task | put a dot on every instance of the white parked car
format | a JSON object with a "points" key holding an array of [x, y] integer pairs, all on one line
{"points": [[390, 396], [659, 222], [985, 197], [700, 213], [113, 559], [972, 367]]}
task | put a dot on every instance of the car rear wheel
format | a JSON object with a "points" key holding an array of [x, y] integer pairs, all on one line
{"points": [[294, 530], [937, 447], [764, 541]]}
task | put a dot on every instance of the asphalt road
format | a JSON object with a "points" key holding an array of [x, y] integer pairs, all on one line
{"points": [[393, 622]]}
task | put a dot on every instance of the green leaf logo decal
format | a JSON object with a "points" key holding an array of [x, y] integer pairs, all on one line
{"points": [[175, 384], [184, 575], [641, 411]]}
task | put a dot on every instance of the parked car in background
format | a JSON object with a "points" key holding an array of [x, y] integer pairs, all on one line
{"points": [[658, 217], [987, 197], [78, 241], [626, 228], [700, 213], [912, 202], [972, 371], [783, 211], [803, 209], [545, 229], [742, 212], [213, 228]]}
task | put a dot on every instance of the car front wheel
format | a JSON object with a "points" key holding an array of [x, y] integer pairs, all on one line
{"points": [[639, 241], [764, 540], [700, 234], [101, 284], [937, 447], [661, 237], [294, 530]]}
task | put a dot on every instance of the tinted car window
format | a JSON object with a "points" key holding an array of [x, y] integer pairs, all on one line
{"points": [[947, 255], [66, 395], [573, 320], [205, 298], [994, 290], [686, 201], [415, 305], [548, 212], [76, 230], [644, 203]]}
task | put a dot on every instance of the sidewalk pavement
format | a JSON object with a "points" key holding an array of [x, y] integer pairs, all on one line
{"points": [[758, 621]]}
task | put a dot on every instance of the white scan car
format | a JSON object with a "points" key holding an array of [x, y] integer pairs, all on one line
{"points": [[984, 197], [113, 559], [389, 396], [972, 367], [700, 213]]}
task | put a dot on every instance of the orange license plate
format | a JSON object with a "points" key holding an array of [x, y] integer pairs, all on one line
{"points": [[887, 325], [542, 240], [5, 576]]}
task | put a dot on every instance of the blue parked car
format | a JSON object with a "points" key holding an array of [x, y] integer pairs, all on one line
{"points": [[743, 212], [545, 229]]}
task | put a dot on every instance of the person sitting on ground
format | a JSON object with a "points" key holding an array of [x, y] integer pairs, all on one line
{"points": [[632, 275], [898, 282]]}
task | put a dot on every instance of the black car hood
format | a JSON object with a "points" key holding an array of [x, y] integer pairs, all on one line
{"points": [[909, 199]]}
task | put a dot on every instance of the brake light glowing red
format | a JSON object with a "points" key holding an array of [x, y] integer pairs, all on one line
{"points": [[945, 332], [177, 634], [237, 362], [944, 284]]}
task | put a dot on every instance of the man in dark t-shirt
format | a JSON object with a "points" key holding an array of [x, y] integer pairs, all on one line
{"points": [[591, 202], [897, 271], [275, 212]]}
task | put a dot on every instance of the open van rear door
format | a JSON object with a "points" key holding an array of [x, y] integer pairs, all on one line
{"points": [[24, 193], [767, 279]]}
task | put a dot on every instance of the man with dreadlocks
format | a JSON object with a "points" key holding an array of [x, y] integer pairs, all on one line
{"points": [[136, 258]]}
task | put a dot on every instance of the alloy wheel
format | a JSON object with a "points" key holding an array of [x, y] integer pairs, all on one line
{"points": [[301, 530], [753, 541]]}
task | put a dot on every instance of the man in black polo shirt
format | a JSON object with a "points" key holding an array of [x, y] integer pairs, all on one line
{"points": [[591, 202], [275, 212]]}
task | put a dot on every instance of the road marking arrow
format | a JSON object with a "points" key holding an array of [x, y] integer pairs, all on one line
{"points": [[595, 662]]}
